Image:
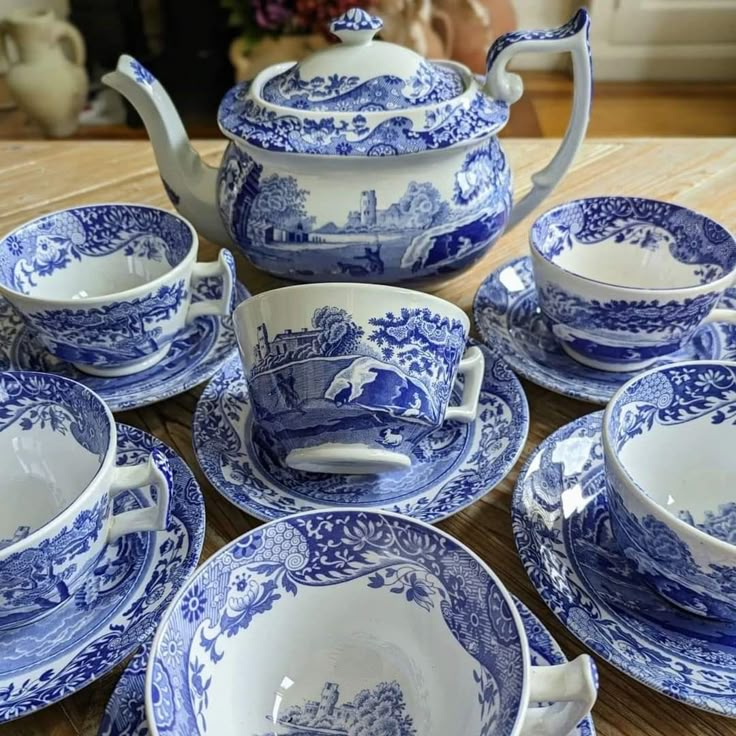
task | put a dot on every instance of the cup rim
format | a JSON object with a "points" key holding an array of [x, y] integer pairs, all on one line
{"points": [[348, 286], [722, 282], [518, 624], [59, 518], [134, 291], [682, 527]]}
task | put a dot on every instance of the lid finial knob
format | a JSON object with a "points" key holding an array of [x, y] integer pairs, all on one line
{"points": [[356, 27]]}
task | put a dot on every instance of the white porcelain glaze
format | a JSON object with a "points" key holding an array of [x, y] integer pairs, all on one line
{"points": [[58, 446], [108, 287], [668, 439], [353, 618], [348, 378]]}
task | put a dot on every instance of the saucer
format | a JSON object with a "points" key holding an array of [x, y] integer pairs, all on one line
{"points": [[507, 316], [452, 467], [48, 660], [125, 712], [194, 357], [562, 532]]}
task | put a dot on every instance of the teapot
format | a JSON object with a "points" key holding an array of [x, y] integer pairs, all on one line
{"points": [[363, 161]]}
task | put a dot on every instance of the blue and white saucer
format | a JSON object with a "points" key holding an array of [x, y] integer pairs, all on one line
{"points": [[508, 318], [193, 358], [97, 628], [562, 532], [125, 714], [453, 467]]}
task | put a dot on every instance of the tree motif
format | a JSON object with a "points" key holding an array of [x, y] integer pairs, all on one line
{"points": [[339, 334]]}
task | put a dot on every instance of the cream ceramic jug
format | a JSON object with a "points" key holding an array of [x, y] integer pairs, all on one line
{"points": [[49, 87]]}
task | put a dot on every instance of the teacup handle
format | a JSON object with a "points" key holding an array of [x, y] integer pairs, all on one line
{"points": [[155, 472], [472, 366], [508, 87], [214, 283], [571, 687], [721, 315]]}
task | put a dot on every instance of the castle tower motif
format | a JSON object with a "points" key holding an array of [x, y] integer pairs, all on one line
{"points": [[262, 348], [328, 701], [368, 208]]}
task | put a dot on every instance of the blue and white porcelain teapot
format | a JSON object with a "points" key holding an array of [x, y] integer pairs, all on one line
{"points": [[365, 161]]}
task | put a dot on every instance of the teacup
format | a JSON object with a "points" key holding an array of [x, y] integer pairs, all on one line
{"points": [[669, 437], [347, 378], [58, 447], [624, 281], [346, 621], [108, 287]]}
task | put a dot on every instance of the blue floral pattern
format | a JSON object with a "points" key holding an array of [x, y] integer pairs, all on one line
{"points": [[390, 555], [651, 224], [562, 529], [98, 627], [141, 73], [453, 467], [446, 124], [356, 19], [50, 243], [508, 318], [420, 234], [30, 399]]}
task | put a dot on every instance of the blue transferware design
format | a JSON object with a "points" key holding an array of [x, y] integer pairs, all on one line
{"points": [[678, 566], [623, 331], [125, 713], [719, 523], [135, 580], [652, 224], [116, 333], [451, 468], [286, 230], [383, 386], [562, 529], [51, 243], [356, 19], [627, 326], [507, 316], [141, 73], [387, 555], [195, 355], [361, 111]]}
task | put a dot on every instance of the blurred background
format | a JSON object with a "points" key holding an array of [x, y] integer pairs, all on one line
{"points": [[661, 67]]}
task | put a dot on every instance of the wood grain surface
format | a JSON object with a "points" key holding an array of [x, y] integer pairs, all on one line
{"points": [[38, 177]]}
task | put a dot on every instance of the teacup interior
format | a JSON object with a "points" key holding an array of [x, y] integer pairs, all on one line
{"points": [[676, 434], [93, 251], [51, 453], [343, 621], [635, 243]]}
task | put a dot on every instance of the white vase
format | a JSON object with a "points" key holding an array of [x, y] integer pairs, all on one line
{"points": [[49, 87]]}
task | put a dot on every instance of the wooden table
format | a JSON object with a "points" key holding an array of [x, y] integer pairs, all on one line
{"points": [[40, 177]]}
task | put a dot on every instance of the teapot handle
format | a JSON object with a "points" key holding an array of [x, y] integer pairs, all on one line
{"points": [[508, 87]]}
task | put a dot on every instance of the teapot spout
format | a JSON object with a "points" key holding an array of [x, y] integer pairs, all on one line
{"points": [[190, 183]]}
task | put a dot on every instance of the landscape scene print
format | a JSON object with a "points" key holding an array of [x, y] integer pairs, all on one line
{"points": [[384, 384], [378, 711], [392, 236]]}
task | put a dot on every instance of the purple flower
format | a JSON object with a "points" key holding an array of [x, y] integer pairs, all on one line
{"points": [[272, 15]]}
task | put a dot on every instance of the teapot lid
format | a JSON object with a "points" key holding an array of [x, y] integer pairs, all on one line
{"points": [[361, 97], [362, 74]]}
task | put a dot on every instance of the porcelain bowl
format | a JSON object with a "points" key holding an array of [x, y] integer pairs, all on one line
{"points": [[58, 445], [108, 287], [669, 436], [348, 378], [351, 622], [623, 281]]}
